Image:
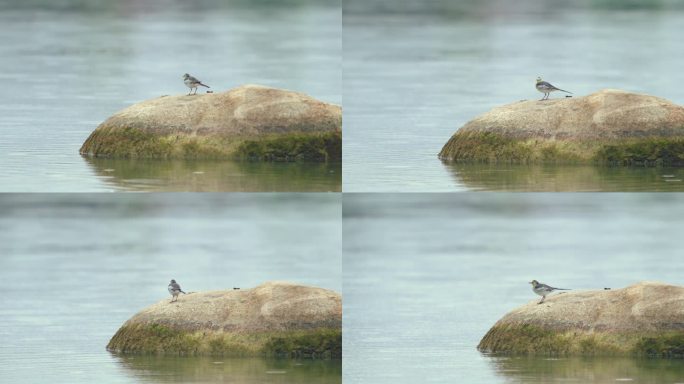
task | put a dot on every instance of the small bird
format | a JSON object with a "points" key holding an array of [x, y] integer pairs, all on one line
{"points": [[175, 290], [543, 289], [192, 83], [545, 88]]}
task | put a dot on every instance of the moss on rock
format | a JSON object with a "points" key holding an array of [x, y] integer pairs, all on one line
{"points": [[275, 319], [644, 152], [608, 127], [161, 339], [320, 147], [642, 320], [252, 122]]}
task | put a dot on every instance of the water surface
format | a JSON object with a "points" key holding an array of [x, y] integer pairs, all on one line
{"points": [[74, 267], [567, 178], [211, 176], [414, 72], [427, 275], [69, 65]]}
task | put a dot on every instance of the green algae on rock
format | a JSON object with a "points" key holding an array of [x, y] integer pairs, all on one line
{"points": [[275, 319], [249, 122], [608, 127], [644, 319]]}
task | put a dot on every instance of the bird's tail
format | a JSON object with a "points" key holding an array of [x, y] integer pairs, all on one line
{"points": [[563, 90], [183, 292], [210, 87], [563, 289]]}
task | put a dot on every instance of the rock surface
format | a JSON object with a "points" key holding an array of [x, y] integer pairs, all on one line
{"points": [[642, 319], [275, 318], [248, 121], [611, 126]]}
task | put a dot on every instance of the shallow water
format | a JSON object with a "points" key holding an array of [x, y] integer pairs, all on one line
{"points": [[566, 178], [180, 370], [67, 66], [427, 275], [213, 176], [74, 267], [414, 72]]}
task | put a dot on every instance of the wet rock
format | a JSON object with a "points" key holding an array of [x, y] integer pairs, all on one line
{"points": [[645, 319], [248, 122], [610, 126], [273, 319]]}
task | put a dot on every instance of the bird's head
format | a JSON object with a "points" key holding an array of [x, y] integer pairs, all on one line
{"points": [[534, 282], [539, 79], [173, 281], [186, 76]]}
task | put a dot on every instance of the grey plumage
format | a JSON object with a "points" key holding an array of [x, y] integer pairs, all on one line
{"points": [[543, 290], [175, 290], [546, 88], [192, 83]]}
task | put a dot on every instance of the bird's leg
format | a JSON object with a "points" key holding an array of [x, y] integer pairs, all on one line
{"points": [[542, 300]]}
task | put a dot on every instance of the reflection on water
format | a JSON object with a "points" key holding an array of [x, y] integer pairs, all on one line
{"points": [[567, 178], [74, 267], [217, 176], [155, 369], [524, 370], [416, 71], [427, 275]]}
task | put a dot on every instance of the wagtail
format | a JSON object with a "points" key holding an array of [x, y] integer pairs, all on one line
{"points": [[543, 289], [175, 290], [547, 88], [192, 83]]}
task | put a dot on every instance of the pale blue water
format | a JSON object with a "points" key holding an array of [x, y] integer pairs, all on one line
{"points": [[68, 65], [426, 275], [416, 71], [74, 267]]}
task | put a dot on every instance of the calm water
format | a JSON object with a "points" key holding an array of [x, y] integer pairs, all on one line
{"points": [[575, 178], [209, 176], [414, 72], [68, 67], [74, 267], [426, 275]]}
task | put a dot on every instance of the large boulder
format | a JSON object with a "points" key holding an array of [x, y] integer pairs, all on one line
{"points": [[645, 319], [610, 126], [248, 122], [273, 319]]}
